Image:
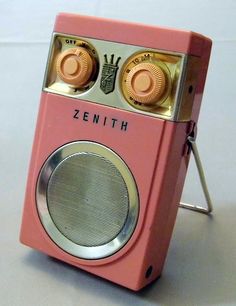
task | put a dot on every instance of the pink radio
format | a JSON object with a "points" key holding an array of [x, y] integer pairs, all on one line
{"points": [[119, 105]]}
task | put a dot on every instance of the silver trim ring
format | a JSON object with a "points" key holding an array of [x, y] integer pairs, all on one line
{"points": [[94, 252]]}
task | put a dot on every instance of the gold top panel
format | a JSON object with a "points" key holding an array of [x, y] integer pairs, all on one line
{"points": [[151, 82]]}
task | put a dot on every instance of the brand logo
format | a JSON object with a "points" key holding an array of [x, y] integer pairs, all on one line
{"points": [[99, 119], [109, 72]]}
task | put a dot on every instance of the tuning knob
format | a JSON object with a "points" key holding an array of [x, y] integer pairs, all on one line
{"points": [[146, 83], [75, 66]]}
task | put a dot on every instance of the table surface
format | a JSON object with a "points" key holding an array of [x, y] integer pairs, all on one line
{"points": [[201, 264]]}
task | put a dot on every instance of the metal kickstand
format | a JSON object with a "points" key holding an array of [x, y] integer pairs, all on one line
{"points": [[205, 210]]}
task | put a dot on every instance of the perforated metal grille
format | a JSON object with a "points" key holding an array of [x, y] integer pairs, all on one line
{"points": [[87, 199]]}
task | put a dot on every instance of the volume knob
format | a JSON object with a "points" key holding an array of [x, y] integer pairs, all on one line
{"points": [[146, 83], [75, 66]]}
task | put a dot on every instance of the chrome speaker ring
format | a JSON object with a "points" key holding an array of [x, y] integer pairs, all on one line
{"points": [[53, 161]]}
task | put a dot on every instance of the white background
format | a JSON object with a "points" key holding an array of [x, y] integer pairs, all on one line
{"points": [[201, 263]]}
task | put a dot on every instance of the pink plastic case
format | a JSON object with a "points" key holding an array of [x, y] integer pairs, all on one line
{"points": [[154, 149]]}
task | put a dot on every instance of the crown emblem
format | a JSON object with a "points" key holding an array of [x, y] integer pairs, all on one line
{"points": [[109, 71]]}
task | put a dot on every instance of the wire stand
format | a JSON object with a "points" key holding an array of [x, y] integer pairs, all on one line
{"points": [[208, 209]]}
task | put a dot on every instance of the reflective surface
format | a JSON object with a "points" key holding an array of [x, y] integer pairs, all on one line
{"points": [[87, 200]]}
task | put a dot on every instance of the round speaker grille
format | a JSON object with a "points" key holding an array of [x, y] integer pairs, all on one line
{"points": [[88, 199]]}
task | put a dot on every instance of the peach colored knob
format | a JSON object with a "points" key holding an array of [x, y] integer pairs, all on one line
{"points": [[146, 83], [75, 66]]}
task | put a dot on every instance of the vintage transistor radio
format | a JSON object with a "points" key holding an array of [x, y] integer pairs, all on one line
{"points": [[111, 149]]}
